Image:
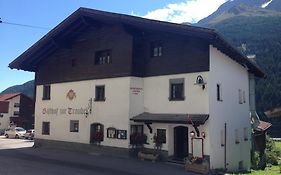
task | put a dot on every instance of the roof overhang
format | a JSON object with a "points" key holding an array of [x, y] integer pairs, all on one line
{"points": [[263, 126], [81, 19], [193, 119]]}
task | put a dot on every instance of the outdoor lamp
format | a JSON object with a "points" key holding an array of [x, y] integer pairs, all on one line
{"points": [[203, 134], [192, 134]]}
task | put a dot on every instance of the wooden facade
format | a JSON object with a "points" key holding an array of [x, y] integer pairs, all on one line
{"points": [[185, 48], [130, 55]]}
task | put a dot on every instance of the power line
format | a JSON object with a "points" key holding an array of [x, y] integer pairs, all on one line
{"points": [[24, 25]]}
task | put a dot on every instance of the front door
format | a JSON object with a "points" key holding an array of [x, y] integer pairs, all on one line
{"points": [[180, 142]]}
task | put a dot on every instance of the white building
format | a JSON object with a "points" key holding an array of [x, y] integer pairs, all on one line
{"points": [[119, 74], [16, 109]]}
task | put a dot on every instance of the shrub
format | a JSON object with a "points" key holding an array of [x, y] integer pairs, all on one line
{"points": [[254, 159], [272, 152], [138, 139]]}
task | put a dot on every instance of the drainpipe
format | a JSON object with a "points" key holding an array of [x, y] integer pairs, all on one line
{"points": [[252, 96]]}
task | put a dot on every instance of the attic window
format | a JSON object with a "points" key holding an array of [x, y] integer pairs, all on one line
{"points": [[103, 57], [46, 92], [73, 63], [156, 49]]}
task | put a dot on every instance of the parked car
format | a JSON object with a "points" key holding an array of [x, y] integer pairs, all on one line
{"points": [[2, 132], [16, 132], [29, 134]]}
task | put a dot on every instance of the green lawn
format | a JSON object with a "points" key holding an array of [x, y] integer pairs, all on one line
{"points": [[278, 144], [274, 170]]}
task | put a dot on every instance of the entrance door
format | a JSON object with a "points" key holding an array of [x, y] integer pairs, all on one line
{"points": [[180, 142], [96, 132]]}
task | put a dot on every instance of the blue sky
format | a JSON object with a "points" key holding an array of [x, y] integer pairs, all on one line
{"points": [[14, 40]]}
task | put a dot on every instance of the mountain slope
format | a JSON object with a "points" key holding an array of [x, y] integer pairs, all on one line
{"points": [[26, 88], [258, 30], [273, 5]]}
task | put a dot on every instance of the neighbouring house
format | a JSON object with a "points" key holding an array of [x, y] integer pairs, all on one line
{"points": [[103, 77], [274, 116], [16, 109]]}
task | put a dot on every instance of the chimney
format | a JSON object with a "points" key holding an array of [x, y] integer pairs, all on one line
{"points": [[252, 95], [252, 58]]}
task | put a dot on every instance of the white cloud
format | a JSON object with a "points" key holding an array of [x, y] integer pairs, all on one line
{"points": [[187, 11]]}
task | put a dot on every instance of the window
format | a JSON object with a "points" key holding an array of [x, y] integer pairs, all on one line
{"points": [[177, 89], [244, 97], [222, 133], [74, 126], [16, 113], [100, 95], [16, 105], [245, 134], [240, 98], [46, 92], [156, 49], [46, 128], [219, 95], [137, 129], [73, 63], [161, 133], [237, 136], [103, 57]]}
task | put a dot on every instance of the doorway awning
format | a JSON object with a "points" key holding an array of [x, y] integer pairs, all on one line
{"points": [[194, 119]]}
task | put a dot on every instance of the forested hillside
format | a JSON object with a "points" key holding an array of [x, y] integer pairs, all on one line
{"points": [[256, 31]]}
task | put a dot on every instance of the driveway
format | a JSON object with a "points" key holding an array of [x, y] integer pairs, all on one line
{"points": [[18, 157]]}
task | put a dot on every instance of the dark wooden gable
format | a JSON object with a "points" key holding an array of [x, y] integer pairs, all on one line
{"points": [[179, 54], [59, 66]]}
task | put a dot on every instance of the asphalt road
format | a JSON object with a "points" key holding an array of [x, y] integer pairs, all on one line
{"points": [[18, 157]]}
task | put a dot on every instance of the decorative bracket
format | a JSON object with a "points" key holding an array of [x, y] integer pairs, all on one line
{"points": [[149, 127]]}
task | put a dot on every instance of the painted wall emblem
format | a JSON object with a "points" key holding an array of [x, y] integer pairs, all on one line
{"points": [[71, 94]]}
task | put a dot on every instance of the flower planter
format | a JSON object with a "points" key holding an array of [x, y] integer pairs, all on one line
{"points": [[202, 168], [148, 156]]}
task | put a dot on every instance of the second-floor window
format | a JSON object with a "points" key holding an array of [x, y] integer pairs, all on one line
{"points": [[100, 93], [156, 49], [46, 92], [103, 57], [177, 89], [240, 96]]}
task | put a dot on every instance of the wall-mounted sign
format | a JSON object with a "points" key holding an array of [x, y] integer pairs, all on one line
{"points": [[111, 132], [121, 134], [116, 133], [71, 94], [136, 90], [69, 110]]}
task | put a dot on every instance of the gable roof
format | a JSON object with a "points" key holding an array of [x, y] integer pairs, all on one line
{"points": [[4, 97], [263, 126], [73, 25]]}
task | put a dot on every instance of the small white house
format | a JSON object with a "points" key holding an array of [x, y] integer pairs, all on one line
{"points": [[16, 109], [106, 76]]}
